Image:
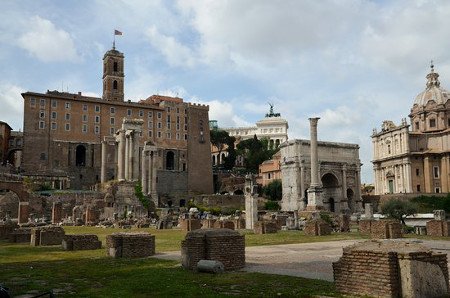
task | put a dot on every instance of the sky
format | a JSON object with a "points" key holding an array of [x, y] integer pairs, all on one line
{"points": [[353, 63]]}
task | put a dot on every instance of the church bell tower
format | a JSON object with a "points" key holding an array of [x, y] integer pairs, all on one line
{"points": [[113, 75]]}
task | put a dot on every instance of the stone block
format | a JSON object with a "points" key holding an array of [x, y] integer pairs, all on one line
{"points": [[190, 224], [130, 245], [81, 242], [317, 227], [46, 236], [438, 228], [6, 229], [222, 245], [265, 227], [20, 235]]}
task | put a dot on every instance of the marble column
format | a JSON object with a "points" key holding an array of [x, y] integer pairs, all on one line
{"points": [[302, 188], [315, 201], [24, 212], [144, 173], [121, 155], [426, 174], [345, 204], [103, 166], [127, 156]]}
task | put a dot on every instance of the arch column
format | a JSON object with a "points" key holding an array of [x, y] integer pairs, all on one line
{"points": [[120, 138]]}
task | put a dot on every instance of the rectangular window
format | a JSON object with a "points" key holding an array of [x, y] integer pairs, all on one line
{"points": [[159, 115], [436, 172], [42, 102], [178, 119], [417, 125], [112, 110], [185, 127], [418, 187], [111, 121], [85, 118], [178, 136], [150, 114], [159, 134], [97, 129], [42, 114], [67, 127], [185, 136], [432, 122], [97, 119], [84, 128], [159, 125], [178, 110], [97, 109], [150, 133], [178, 126], [150, 124], [417, 172], [54, 103], [32, 102], [85, 107], [168, 109], [54, 126], [141, 113], [168, 136], [437, 189], [67, 105], [168, 125], [111, 131], [54, 115], [41, 124], [129, 113], [67, 116]]}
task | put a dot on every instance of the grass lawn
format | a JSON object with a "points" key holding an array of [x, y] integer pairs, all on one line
{"points": [[26, 269]]}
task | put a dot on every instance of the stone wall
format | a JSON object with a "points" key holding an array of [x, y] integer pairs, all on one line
{"points": [[20, 235], [190, 224], [391, 269], [208, 223], [234, 202], [6, 229], [173, 185], [317, 227], [81, 242], [223, 245], [265, 227], [438, 228], [224, 224], [239, 223], [46, 236], [381, 229], [130, 245]]}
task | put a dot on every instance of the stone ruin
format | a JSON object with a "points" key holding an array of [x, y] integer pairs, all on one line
{"points": [[265, 227], [6, 228], [317, 227], [381, 229], [81, 242], [222, 245], [20, 235], [190, 224], [439, 226], [42, 236], [391, 268], [130, 245]]}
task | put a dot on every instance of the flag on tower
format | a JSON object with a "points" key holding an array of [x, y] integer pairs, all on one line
{"points": [[117, 32]]}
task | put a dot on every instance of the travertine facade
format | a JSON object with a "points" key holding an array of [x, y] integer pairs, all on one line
{"points": [[74, 135], [415, 158], [338, 169]]}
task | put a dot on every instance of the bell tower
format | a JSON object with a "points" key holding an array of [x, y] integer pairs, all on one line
{"points": [[113, 75]]}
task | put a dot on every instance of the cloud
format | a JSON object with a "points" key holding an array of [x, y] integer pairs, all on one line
{"points": [[224, 113], [46, 42], [12, 105], [174, 52]]}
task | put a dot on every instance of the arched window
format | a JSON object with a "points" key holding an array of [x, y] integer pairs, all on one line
{"points": [[115, 85], [80, 156], [115, 66], [170, 161], [277, 143]]}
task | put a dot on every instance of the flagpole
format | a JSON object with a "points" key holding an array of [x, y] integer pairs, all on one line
{"points": [[114, 40]]}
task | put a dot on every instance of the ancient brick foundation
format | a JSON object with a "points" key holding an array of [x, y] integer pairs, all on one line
{"points": [[208, 223], [6, 229], [438, 228], [239, 223], [190, 224], [20, 235], [81, 242], [265, 227], [46, 236], [381, 229], [224, 224], [130, 245], [223, 245], [391, 269], [317, 227], [344, 223]]}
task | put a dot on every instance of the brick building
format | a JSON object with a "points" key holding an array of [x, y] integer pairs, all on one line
{"points": [[5, 133], [63, 133]]}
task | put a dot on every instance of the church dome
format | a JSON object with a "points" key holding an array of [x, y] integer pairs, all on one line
{"points": [[433, 91]]}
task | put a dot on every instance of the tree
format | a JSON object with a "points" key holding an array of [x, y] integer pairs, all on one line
{"points": [[222, 140], [398, 209], [255, 151], [273, 190]]}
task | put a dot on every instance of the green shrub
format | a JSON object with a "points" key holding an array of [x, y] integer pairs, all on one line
{"points": [[272, 205], [398, 209], [426, 204]]}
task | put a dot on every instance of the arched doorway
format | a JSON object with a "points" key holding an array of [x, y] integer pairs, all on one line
{"points": [[331, 191], [80, 156], [170, 160], [238, 192], [390, 178]]}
